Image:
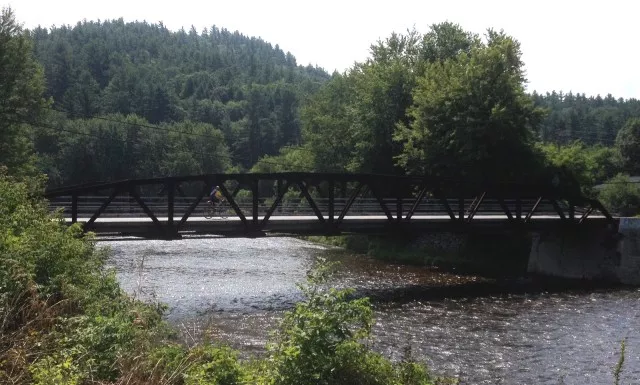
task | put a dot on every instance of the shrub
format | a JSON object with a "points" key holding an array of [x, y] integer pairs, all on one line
{"points": [[215, 365], [621, 196], [63, 317], [323, 341]]}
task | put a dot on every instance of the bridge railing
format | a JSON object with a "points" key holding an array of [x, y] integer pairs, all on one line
{"points": [[331, 198], [128, 207]]}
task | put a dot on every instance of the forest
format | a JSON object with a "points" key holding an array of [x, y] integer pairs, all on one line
{"points": [[134, 100]]}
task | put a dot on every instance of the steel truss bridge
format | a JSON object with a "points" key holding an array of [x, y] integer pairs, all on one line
{"points": [[321, 204]]}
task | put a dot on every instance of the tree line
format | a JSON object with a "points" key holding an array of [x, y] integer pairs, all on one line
{"points": [[130, 100], [453, 103], [240, 93]]}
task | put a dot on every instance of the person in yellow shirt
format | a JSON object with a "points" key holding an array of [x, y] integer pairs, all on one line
{"points": [[215, 196]]}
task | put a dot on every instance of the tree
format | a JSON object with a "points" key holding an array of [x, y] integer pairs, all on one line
{"points": [[621, 196], [588, 165], [446, 41], [382, 95], [83, 97], [326, 125], [350, 123], [21, 90], [628, 142], [471, 119]]}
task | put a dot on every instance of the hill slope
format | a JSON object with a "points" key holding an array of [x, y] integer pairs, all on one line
{"points": [[241, 85]]}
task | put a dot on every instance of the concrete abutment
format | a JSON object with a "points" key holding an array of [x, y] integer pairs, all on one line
{"points": [[589, 252], [594, 251]]}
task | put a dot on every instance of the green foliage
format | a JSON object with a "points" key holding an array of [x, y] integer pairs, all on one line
{"points": [[446, 41], [621, 196], [118, 147], [244, 87], [327, 127], [618, 369], [445, 103], [214, 366], [56, 297], [56, 369], [289, 159], [382, 94], [628, 143], [592, 120], [471, 114], [589, 165], [321, 342], [21, 89], [349, 124]]}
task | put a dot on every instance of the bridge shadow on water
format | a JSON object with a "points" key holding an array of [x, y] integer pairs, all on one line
{"points": [[534, 285]]}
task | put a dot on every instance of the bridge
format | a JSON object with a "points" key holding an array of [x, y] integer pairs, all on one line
{"points": [[319, 203]]}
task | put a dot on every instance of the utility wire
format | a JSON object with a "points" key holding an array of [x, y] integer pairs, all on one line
{"points": [[166, 145], [155, 127], [45, 126]]}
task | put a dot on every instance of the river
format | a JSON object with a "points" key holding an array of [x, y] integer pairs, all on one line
{"points": [[235, 290]]}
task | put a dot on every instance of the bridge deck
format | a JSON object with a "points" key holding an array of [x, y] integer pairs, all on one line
{"points": [[145, 227]]}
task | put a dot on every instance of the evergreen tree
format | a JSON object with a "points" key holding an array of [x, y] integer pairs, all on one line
{"points": [[21, 101]]}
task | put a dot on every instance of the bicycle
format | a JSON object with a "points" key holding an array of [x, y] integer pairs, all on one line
{"points": [[219, 210]]}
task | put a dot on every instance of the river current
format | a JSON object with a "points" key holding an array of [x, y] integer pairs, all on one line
{"points": [[235, 290]]}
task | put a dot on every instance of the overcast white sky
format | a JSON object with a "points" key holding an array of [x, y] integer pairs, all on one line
{"points": [[583, 46]]}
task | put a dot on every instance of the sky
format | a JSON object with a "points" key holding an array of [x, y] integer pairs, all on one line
{"points": [[580, 46]]}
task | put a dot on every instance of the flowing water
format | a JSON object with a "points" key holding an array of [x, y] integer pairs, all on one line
{"points": [[236, 289]]}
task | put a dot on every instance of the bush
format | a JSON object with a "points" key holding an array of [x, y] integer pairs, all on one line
{"points": [[621, 196], [215, 366], [64, 319], [323, 341]]}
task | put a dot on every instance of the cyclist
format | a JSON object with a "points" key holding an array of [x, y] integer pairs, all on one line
{"points": [[215, 196]]}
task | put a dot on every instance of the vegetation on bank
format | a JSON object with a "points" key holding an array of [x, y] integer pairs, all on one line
{"points": [[65, 321]]}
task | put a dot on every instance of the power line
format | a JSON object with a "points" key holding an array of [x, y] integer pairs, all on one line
{"points": [[165, 129], [85, 116], [629, 182], [229, 157]]}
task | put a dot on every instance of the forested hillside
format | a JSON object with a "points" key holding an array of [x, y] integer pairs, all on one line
{"points": [[590, 119], [134, 100], [216, 79]]}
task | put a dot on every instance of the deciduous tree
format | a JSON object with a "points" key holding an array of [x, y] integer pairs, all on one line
{"points": [[471, 119]]}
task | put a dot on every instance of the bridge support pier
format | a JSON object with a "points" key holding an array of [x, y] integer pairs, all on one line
{"points": [[589, 253]]}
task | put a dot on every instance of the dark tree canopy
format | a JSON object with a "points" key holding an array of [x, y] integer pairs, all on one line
{"points": [[138, 100], [471, 119], [628, 143], [222, 84], [592, 120], [21, 89], [243, 86]]}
